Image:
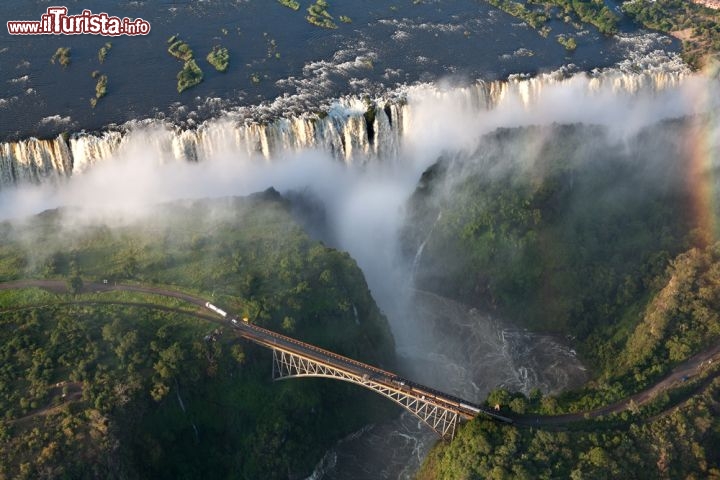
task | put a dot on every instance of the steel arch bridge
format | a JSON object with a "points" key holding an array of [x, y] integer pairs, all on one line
{"points": [[293, 359], [441, 418]]}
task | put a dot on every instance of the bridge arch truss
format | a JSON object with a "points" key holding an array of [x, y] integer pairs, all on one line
{"points": [[439, 417]]}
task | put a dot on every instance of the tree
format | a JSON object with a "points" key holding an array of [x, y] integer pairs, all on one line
{"points": [[518, 405], [55, 264], [169, 361], [127, 262], [237, 353], [288, 324], [75, 284], [499, 396], [159, 391]]}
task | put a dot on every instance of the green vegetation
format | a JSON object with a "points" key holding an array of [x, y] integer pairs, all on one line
{"points": [[697, 26], [537, 13], [319, 16], [680, 320], [93, 390], [62, 55], [539, 247], [591, 239], [179, 49], [594, 12], [293, 4], [191, 74], [534, 17], [100, 87], [681, 444], [568, 42], [103, 52], [219, 58]]}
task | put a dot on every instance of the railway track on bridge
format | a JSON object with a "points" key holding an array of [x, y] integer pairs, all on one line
{"points": [[294, 358], [324, 363]]}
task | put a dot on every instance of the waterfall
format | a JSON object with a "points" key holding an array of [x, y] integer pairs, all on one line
{"points": [[352, 129], [421, 248], [34, 161], [87, 150]]}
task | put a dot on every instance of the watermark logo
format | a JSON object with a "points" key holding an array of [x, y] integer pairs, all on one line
{"points": [[57, 22]]}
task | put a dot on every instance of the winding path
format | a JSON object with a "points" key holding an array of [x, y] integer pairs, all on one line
{"points": [[690, 368], [60, 286]]}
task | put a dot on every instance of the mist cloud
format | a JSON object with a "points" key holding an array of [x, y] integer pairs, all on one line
{"points": [[365, 202]]}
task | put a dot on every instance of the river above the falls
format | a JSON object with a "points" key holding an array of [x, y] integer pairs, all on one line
{"points": [[276, 58]]}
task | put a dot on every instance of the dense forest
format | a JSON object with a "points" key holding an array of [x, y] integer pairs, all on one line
{"points": [[128, 385], [697, 26], [570, 230], [539, 13], [559, 227], [681, 444], [675, 435]]}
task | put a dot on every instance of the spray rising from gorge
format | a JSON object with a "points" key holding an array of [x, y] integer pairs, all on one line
{"points": [[361, 158]]}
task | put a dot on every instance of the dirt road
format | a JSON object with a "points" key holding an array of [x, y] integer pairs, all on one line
{"points": [[688, 369]]}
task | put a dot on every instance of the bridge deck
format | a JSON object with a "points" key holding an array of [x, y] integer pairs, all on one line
{"points": [[274, 340]]}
